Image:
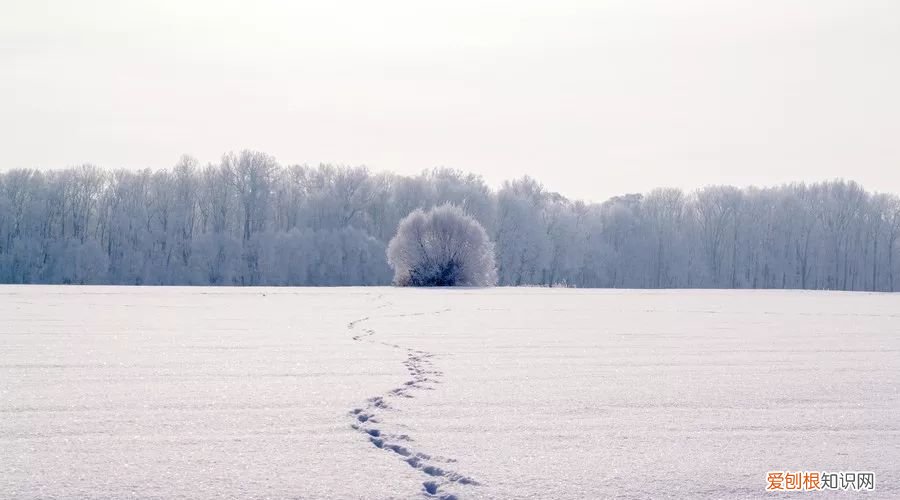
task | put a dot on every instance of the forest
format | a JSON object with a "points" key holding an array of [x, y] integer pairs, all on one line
{"points": [[247, 220]]}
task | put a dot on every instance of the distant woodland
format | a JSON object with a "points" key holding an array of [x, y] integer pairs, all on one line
{"points": [[249, 221]]}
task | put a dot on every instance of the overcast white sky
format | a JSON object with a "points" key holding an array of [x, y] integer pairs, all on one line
{"points": [[592, 98]]}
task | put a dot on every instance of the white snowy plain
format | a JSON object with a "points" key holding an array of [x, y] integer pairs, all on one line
{"points": [[505, 393]]}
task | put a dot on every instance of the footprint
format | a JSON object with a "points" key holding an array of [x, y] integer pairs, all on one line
{"points": [[431, 487], [400, 450], [423, 375], [433, 471], [378, 402]]}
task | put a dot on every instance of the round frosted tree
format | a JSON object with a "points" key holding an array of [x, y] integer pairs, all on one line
{"points": [[441, 247]]}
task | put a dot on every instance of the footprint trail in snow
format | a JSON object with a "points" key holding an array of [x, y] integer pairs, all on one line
{"points": [[372, 420]]}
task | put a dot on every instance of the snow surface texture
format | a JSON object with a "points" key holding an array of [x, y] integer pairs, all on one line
{"points": [[410, 393]]}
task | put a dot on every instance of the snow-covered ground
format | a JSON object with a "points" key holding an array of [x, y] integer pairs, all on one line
{"points": [[345, 393]]}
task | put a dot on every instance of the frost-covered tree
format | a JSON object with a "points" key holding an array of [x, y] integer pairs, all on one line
{"points": [[523, 245], [441, 247], [246, 220]]}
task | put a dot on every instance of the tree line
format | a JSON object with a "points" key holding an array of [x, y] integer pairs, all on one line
{"points": [[247, 220]]}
